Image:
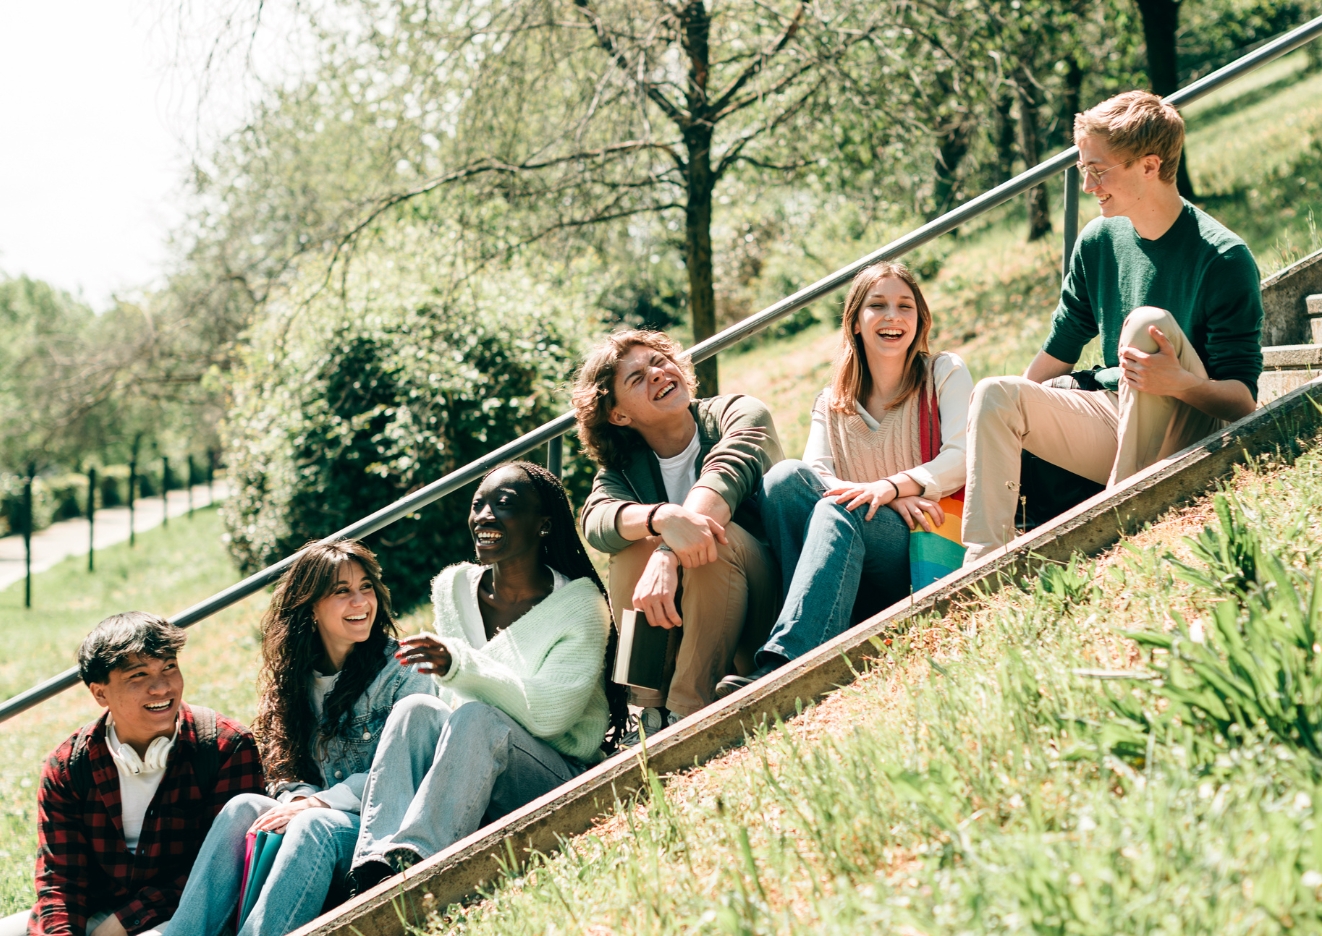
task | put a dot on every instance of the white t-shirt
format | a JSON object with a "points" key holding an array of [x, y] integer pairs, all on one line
{"points": [[470, 614], [321, 687], [139, 778], [680, 473]]}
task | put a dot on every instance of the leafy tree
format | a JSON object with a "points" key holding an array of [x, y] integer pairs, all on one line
{"points": [[346, 403]]}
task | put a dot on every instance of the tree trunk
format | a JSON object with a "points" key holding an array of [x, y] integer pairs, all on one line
{"points": [[1039, 214], [1161, 21], [1005, 131], [953, 146], [696, 25], [1071, 98], [697, 249]]}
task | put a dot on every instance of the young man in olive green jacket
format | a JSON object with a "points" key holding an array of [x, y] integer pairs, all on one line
{"points": [[676, 492]]}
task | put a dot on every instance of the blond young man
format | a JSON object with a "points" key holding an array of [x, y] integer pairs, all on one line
{"points": [[675, 501], [1176, 299]]}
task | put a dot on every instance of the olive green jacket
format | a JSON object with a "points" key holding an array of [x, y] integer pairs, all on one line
{"points": [[737, 443]]}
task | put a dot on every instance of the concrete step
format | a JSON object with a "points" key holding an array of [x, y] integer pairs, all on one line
{"points": [[458, 872], [1285, 367]]}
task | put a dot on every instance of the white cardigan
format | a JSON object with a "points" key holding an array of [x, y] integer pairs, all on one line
{"points": [[544, 670], [945, 473]]}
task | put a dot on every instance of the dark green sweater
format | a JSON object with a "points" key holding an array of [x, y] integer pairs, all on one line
{"points": [[1198, 271]]}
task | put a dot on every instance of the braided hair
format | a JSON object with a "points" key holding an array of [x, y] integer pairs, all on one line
{"points": [[563, 551]]}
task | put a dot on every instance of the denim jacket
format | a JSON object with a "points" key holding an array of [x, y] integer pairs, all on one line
{"points": [[347, 757]]}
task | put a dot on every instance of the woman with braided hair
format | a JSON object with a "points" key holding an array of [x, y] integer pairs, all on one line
{"points": [[521, 653]]}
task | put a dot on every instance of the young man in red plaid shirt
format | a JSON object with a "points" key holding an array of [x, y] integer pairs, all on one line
{"points": [[126, 801]]}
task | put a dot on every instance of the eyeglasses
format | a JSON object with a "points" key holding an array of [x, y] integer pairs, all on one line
{"points": [[1087, 172]]}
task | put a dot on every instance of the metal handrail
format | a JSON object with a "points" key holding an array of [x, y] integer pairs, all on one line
{"points": [[549, 433]]}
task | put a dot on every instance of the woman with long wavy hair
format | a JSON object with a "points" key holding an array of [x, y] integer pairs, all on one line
{"points": [[521, 653], [327, 686], [865, 452]]}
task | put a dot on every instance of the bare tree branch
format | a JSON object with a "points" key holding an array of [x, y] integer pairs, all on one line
{"points": [[607, 42], [754, 69]]}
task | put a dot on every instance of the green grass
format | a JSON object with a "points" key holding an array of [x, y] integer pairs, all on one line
{"points": [[1255, 158], [980, 778]]}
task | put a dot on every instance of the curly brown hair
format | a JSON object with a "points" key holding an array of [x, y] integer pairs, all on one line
{"points": [[286, 728], [594, 393]]}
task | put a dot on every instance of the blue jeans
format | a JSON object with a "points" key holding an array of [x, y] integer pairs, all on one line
{"points": [[437, 773], [317, 846], [825, 554]]}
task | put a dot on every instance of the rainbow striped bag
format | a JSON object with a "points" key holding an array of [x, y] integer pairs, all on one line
{"points": [[935, 555]]}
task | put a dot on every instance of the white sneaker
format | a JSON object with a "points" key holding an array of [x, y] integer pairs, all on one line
{"points": [[650, 720]]}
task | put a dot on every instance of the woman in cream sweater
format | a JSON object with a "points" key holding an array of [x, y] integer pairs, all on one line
{"points": [[522, 646], [824, 514]]}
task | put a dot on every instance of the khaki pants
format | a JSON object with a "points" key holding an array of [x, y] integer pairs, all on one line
{"points": [[727, 606], [1100, 435]]}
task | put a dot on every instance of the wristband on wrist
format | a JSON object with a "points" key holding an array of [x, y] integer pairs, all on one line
{"points": [[894, 485], [651, 514], [664, 548]]}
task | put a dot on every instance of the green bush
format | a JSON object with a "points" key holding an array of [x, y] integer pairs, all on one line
{"points": [[56, 498], [339, 411]]}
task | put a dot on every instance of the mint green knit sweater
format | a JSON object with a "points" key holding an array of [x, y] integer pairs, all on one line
{"points": [[544, 670]]}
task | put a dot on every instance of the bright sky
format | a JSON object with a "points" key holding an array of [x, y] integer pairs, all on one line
{"points": [[90, 172]]}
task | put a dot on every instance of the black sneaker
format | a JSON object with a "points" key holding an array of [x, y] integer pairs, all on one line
{"points": [[379, 867], [369, 874], [732, 684]]}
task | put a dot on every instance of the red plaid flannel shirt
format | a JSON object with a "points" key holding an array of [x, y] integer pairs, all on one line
{"points": [[83, 863]]}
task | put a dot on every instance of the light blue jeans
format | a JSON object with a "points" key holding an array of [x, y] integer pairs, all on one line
{"points": [[826, 555], [317, 846], [437, 773]]}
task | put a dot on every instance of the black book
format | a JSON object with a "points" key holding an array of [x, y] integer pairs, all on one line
{"points": [[641, 658]]}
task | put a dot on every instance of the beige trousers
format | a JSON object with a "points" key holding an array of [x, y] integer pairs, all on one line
{"points": [[727, 606], [1100, 435]]}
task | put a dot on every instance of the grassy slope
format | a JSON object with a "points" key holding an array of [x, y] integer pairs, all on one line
{"points": [[972, 781]]}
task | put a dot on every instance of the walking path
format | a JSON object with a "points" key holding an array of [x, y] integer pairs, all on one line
{"points": [[69, 537]]}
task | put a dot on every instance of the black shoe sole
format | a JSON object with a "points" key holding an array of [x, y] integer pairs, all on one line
{"points": [[731, 684]]}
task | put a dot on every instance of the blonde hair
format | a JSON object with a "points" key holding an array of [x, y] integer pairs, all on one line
{"points": [[1137, 124], [851, 381], [594, 393]]}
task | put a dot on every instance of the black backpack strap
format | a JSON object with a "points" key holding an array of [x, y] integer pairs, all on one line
{"points": [[206, 758]]}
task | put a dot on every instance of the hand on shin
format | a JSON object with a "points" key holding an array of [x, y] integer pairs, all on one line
{"points": [[654, 595]]}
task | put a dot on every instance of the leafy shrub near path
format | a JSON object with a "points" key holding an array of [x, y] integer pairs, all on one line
{"points": [[342, 407], [989, 774]]}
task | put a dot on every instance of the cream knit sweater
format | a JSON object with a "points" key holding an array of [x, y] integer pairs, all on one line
{"points": [[838, 445], [544, 670]]}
